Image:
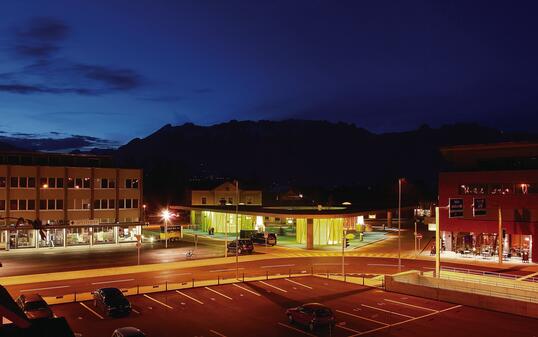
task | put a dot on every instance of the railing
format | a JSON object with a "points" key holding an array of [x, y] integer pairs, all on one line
{"points": [[162, 283], [488, 273]]}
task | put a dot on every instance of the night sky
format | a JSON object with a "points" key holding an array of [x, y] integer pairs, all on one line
{"points": [[109, 71]]}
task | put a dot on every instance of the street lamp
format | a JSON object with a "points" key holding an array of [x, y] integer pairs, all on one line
{"points": [[400, 180], [236, 230], [165, 214]]}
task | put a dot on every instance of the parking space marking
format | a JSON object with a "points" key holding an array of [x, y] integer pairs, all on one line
{"points": [[295, 329], [136, 311], [187, 296], [217, 333], [157, 301], [57, 287], [410, 305], [391, 312], [114, 281], [169, 275], [346, 328], [219, 293], [361, 317], [406, 321], [245, 289], [91, 310], [278, 265], [299, 284], [272, 286]]}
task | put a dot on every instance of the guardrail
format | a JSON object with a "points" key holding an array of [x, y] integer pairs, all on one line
{"points": [[145, 285]]}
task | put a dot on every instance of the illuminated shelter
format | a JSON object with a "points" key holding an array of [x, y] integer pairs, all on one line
{"points": [[311, 226]]}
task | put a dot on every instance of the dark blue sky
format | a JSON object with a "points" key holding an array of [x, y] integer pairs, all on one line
{"points": [[116, 70]]}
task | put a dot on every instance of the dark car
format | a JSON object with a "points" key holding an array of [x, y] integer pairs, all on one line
{"points": [[34, 306], [128, 331], [311, 315], [244, 246], [260, 238], [111, 301]]}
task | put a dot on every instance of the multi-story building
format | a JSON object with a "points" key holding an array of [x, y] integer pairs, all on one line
{"points": [[223, 194], [61, 200], [492, 192]]}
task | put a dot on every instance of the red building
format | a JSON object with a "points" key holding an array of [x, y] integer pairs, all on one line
{"points": [[481, 182]]}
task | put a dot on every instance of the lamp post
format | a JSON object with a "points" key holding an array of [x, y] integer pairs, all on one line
{"points": [[237, 230], [400, 223], [165, 214]]}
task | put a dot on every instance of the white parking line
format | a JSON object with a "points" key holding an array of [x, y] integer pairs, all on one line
{"points": [[392, 312], [57, 287], [114, 281], [383, 265], [406, 321], [346, 328], [187, 296], [278, 265], [136, 311], [299, 284], [218, 293], [329, 264], [157, 301], [169, 275], [91, 310], [410, 305], [217, 333], [361, 317], [245, 289], [295, 329], [223, 270], [272, 286]]}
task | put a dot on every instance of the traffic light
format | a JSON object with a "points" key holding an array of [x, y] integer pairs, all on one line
{"points": [[346, 243]]}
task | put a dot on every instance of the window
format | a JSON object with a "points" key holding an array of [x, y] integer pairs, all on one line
{"points": [[22, 205], [70, 183], [122, 203], [60, 182], [104, 204], [13, 205], [86, 183], [31, 204], [112, 183], [112, 203], [52, 183], [42, 204], [104, 183], [97, 204], [135, 183], [31, 182], [128, 183], [128, 203], [2, 181], [14, 182], [51, 204], [204, 200], [135, 203], [59, 204], [2, 205], [23, 182], [78, 182], [43, 182]]}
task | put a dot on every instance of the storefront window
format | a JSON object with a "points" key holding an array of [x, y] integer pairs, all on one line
{"points": [[103, 235], [22, 238], [127, 234], [78, 236], [51, 238]]}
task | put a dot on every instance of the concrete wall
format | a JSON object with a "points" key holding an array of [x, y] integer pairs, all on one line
{"points": [[405, 285]]}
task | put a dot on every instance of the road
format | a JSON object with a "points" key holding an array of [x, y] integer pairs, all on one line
{"points": [[302, 265], [258, 309]]}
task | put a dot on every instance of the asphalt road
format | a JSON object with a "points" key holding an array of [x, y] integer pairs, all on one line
{"points": [[257, 309], [285, 266]]}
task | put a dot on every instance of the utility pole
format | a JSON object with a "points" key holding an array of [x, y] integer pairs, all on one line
{"points": [[399, 224], [500, 235], [237, 230], [437, 244], [343, 253]]}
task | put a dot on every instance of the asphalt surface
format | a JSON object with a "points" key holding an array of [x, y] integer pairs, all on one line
{"points": [[285, 266], [258, 309]]}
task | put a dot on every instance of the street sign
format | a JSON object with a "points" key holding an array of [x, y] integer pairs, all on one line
{"points": [[266, 235], [419, 236], [138, 244], [138, 237]]}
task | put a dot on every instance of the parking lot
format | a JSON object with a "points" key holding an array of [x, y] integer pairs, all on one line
{"points": [[257, 309]]}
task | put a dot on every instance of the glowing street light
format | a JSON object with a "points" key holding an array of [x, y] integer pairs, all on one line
{"points": [[166, 215]]}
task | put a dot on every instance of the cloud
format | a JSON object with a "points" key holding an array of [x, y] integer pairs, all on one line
{"points": [[119, 79], [44, 28], [164, 98], [25, 89], [51, 141]]}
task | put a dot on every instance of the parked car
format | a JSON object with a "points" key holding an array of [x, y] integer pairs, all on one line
{"points": [[128, 331], [34, 306], [311, 315], [111, 301], [260, 238], [244, 246]]}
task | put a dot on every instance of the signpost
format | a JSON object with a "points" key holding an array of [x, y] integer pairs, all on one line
{"points": [[138, 245]]}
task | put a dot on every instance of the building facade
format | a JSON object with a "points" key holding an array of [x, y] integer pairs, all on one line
{"points": [[46, 203], [489, 196], [223, 194]]}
